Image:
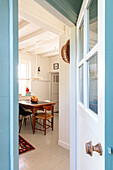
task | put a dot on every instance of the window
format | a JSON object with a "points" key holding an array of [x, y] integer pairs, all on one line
{"points": [[88, 57], [81, 56], [81, 84], [93, 24], [24, 75], [81, 36], [93, 83]]}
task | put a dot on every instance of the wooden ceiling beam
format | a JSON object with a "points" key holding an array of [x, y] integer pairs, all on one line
{"points": [[35, 14], [50, 54], [41, 44], [31, 36], [26, 48], [43, 50], [22, 24]]}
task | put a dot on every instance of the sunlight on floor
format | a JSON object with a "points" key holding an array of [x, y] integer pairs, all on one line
{"points": [[47, 154]]}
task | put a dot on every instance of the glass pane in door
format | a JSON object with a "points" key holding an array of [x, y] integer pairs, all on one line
{"points": [[81, 36], [81, 84], [93, 24], [93, 83]]}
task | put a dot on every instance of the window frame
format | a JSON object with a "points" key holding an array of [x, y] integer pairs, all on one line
{"points": [[28, 71], [88, 54]]}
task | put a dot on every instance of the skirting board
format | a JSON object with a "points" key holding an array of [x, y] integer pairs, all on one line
{"points": [[64, 145]]}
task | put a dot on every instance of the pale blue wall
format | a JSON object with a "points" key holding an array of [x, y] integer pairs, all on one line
{"points": [[4, 86], [8, 85], [109, 82]]}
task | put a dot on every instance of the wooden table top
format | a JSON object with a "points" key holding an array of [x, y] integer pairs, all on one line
{"points": [[40, 103]]}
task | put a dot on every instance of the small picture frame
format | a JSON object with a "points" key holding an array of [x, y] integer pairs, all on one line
{"points": [[55, 66]]}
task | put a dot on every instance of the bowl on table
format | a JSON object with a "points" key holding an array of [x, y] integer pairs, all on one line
{"points": [[34, 99]]}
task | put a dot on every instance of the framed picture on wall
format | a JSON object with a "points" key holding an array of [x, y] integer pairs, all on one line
{"points": [[55, 66]]}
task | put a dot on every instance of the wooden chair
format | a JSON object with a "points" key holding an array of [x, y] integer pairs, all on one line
{"points": [[39, 111], [46, 118]]}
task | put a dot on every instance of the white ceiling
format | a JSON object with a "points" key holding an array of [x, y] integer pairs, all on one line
{"points": [[39, 30], [37, 38]]}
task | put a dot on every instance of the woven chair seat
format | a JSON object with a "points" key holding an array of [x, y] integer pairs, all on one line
{"points": [[42, 116]]}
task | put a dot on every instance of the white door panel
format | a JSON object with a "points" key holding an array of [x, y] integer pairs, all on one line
{"points": [[55, 87], [88, 131], [55, 97], [91, 80], [55, 90], [90, 120]]}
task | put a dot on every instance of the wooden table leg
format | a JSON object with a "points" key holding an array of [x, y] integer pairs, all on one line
{"points": [[33, 119], [53, 117]]}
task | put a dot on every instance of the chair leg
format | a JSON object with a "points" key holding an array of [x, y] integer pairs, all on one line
{"points": [[40, 121], [22, 120], [45, 127], [20, 124], [52, 123], [31, 121], [44, 123], [25, 121]]}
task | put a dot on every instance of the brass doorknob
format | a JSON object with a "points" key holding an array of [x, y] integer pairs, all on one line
{"points": [[90, 148]]}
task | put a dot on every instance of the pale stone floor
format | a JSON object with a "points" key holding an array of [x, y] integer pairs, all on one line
{"points": [[48, 155]]}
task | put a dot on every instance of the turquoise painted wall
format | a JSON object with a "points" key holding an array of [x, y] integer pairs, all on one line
{"points": [[108, 82], [4, 86], [8, 85]]}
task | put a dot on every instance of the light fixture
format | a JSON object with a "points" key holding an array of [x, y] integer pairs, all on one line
{"points": [[65, 52], [38, 70]]}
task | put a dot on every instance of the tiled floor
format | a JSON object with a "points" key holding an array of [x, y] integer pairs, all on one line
{"points": [[47, 154]]}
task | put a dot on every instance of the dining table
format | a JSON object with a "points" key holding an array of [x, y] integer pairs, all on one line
{"points": [[27, 104]]}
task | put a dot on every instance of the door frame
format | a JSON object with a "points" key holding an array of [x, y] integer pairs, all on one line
{"points": [[73, 99], [14, 90], [14, 154], [108, 84]]}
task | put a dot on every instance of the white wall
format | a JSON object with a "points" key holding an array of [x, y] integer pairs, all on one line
{"points": [[64, 96], [53, 60], [64, 92], [40, 88]]}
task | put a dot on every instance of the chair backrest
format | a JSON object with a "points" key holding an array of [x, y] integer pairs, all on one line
{"points": [[48, 108], [21, 110]]}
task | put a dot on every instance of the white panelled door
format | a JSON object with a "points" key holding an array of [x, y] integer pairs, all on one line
{"points": [[91, 77], [55, 90]]}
